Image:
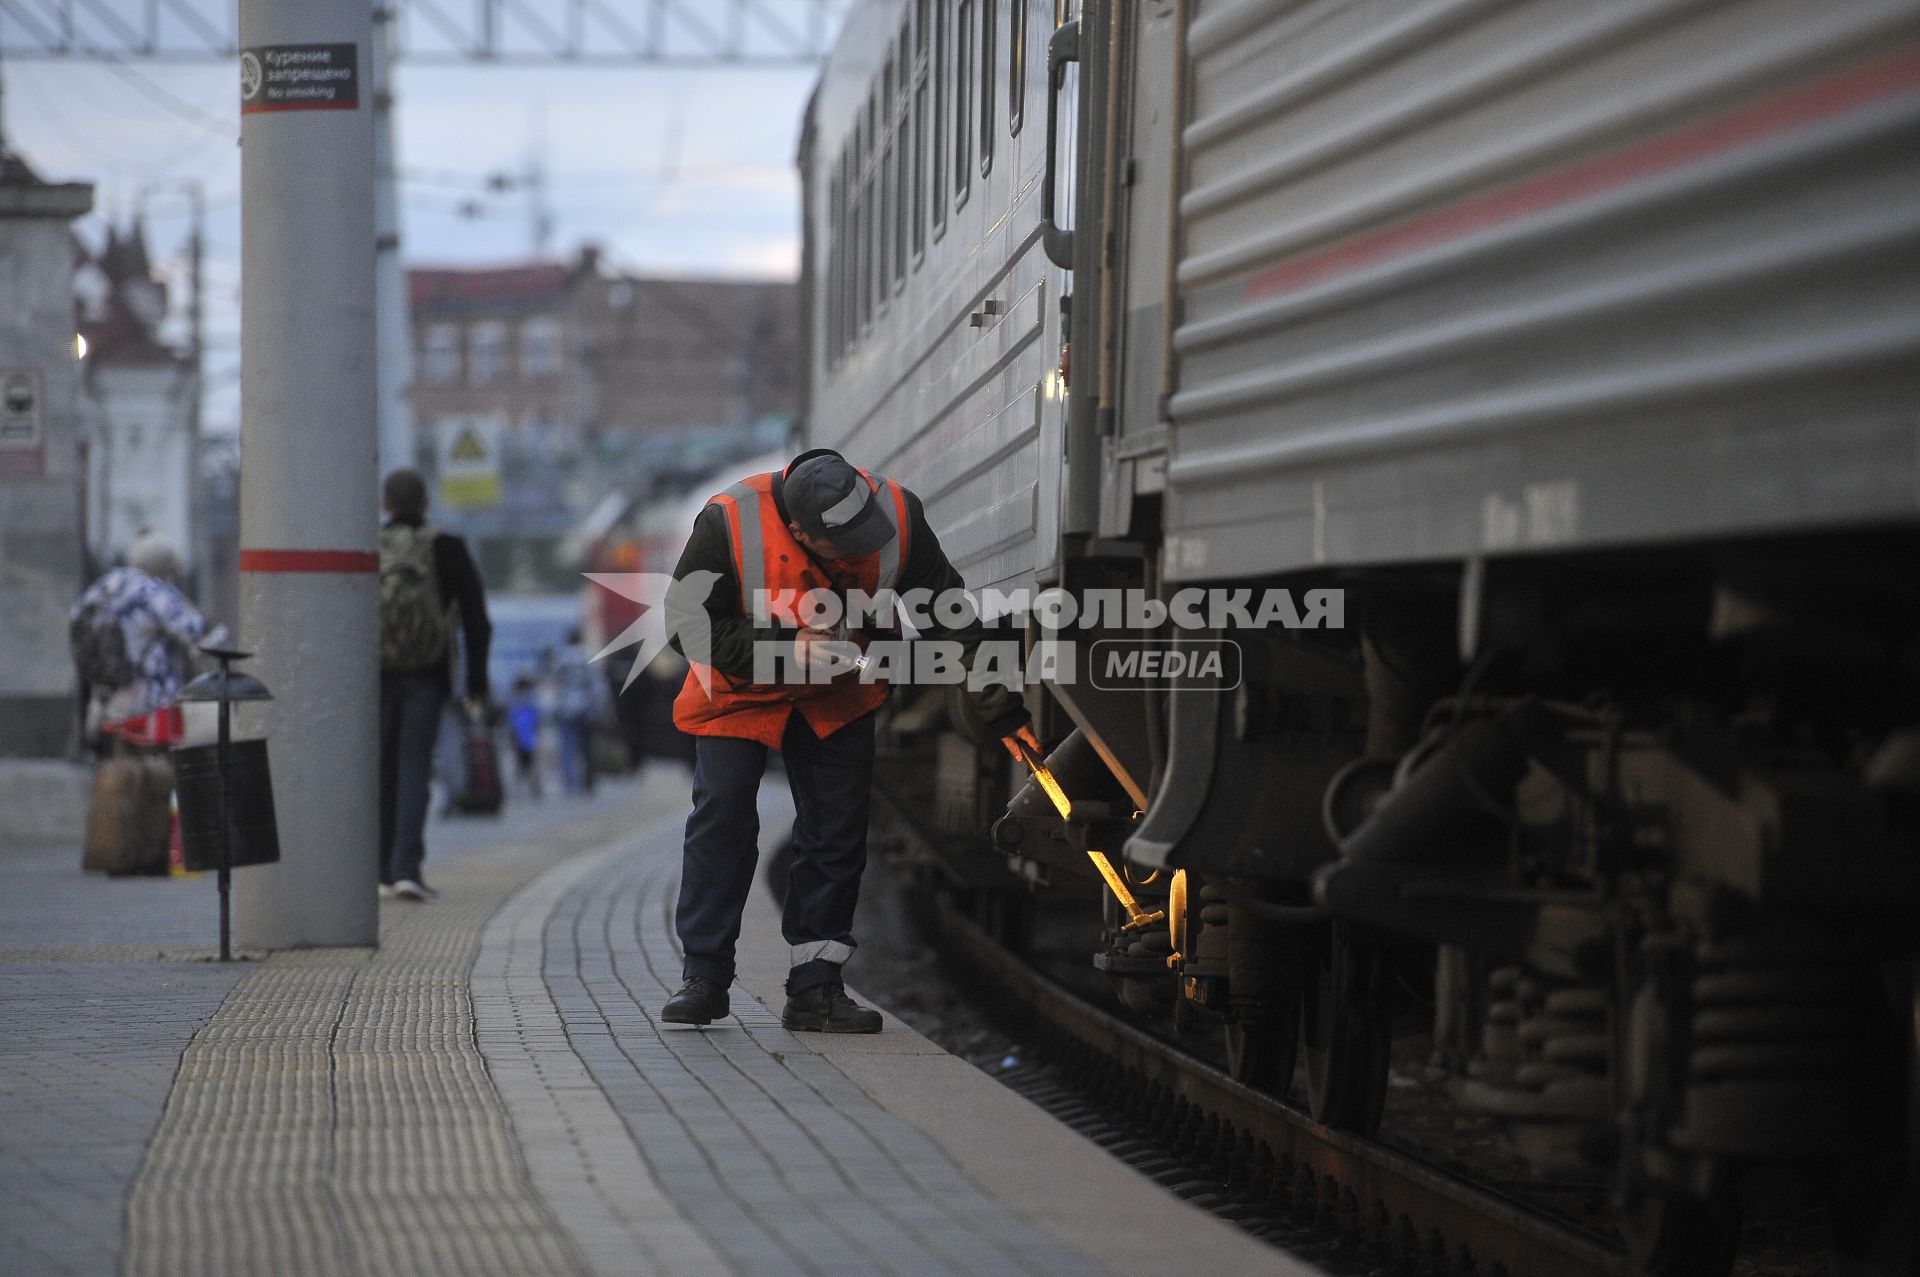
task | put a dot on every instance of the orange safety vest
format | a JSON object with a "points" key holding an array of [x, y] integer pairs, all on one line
{"points": [[766, 557]]}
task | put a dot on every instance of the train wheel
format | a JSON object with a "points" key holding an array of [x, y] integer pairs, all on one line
{"points": [[1682, 1237], [1262, 1047], [1346, 1032]]}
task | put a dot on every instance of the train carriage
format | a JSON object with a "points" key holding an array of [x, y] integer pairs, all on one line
{"points": [[1575, 345], [934, 316]]}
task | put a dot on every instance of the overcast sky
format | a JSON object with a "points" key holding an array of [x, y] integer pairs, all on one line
{"points": [[673, 171]]}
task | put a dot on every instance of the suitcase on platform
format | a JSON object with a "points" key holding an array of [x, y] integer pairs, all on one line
{"points": [[130, 816], [479, 791]]}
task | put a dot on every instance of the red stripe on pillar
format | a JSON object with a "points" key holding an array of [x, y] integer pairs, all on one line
{"points": [[309, 561]]}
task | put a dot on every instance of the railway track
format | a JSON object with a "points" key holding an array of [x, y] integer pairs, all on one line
{"points": [[1349, 1204]]}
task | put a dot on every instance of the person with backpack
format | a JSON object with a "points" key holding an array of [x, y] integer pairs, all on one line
{"points": [[133, 635], [426, 578]]}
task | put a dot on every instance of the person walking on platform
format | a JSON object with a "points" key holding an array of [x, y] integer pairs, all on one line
{"points": [[425, 576], [580, 701], [819, 524]]}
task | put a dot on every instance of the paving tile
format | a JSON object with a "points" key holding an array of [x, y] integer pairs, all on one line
{"points": [[90, 1050], [779, 1161], [488, 1092]]}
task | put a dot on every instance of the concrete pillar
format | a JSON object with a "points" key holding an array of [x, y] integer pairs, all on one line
{"points": [[389, 274], [309, 600]]}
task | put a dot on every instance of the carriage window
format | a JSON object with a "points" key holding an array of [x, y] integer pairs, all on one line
{"points": [[889, 196], [856, 231], [850, 255], [863, 213], [843, 244], [938, 163], [870, 250], [1017, 69], [830, 290], [963, 104], [989, 52], [903, 157], [917, 210]]}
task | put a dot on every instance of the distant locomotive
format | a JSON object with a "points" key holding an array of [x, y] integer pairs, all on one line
{"points": [[1579, 346]]}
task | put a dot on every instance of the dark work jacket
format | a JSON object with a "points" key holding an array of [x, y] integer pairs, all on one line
{"points": [[459, 582], [710, 549]]}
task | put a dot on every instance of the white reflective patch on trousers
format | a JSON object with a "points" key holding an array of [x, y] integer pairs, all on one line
{"points": [[829, 950]]}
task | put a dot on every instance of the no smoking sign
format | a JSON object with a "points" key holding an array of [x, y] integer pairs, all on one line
{"points": [[23, 432], [299, 77]]}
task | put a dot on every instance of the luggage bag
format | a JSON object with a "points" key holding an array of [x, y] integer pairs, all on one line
{"points": [[130, 815]]}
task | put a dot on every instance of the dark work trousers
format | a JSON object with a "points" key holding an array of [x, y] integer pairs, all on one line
{"points": [[831, 780], [410, 706]]}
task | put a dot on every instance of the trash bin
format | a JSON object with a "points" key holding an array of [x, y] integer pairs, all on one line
{"points": [[225, 789], [253, 837]]}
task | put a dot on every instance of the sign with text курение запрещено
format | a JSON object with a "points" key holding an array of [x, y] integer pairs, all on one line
{"points": [[299, 77]]}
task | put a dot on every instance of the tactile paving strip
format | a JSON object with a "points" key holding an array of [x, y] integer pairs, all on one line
{"points": [[336, 1115]]}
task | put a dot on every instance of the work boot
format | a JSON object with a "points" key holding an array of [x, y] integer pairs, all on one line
{"points": [[700, 1001], [826, 1008]]}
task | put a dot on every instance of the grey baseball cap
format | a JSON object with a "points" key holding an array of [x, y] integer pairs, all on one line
{"points": [[830, 501]]}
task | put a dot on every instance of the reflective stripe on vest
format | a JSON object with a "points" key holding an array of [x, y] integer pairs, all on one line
{"points": [[752, 554], [750, 546], [890, 552], [769, 562]]}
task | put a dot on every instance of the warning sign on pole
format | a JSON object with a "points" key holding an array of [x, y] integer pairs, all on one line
{"points": [[23, 424], [299, 77], [470, 462]]}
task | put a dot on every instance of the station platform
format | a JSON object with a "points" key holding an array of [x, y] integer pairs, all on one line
{"points": [[490, 1092]]}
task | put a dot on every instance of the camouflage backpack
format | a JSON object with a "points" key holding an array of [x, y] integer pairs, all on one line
{"points": [[414, 629]]}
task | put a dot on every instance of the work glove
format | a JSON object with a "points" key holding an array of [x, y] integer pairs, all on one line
{"points": [[1023, 744], [824, 652]]}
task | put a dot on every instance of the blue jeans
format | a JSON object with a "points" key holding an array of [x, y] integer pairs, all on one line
{"points": [[575, 736], [831, 781], [410, 706]]}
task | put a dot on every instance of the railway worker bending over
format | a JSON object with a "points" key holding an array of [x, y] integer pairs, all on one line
{"points": [[819, 524]]}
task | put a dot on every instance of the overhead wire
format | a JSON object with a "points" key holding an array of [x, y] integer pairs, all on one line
{"points": [[164, 97]]}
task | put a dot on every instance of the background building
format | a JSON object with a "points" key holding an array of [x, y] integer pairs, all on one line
{"points": [[541, 389], [143, 447], [41, 558], [664, 354]]}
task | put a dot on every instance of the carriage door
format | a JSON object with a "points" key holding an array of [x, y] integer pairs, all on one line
{"points": [[1071, 233], [1136, 345]]}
